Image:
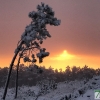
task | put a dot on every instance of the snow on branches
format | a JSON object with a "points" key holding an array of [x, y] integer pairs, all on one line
{"points": [[32, 38], [36, 32]]}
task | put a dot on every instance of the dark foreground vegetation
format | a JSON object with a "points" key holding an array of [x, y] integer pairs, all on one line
{"points": [[31, 76]]}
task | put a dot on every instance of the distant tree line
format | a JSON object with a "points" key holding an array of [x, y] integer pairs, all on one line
{"points": [[31, 76]]}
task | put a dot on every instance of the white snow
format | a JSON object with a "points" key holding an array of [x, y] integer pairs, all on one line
{"points": [[63, 89]]}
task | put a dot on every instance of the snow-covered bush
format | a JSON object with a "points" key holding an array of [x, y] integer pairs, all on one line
{"points": [[46, 86]]}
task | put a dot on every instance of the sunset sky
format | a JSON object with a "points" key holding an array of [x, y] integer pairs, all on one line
{"points": [[75, 42]]}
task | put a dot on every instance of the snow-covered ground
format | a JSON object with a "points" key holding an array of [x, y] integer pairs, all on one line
{"points": [[75, 90]]}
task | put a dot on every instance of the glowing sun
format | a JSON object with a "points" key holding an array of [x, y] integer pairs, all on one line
{"points": [[63, 56]]}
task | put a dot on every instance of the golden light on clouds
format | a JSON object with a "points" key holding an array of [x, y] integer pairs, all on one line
{"points": [[59, 60], [63, 56]]}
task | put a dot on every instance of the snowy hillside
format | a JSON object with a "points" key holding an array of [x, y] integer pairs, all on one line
{"points": [[74, 90]]}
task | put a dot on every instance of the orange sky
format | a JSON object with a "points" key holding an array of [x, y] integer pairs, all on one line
{"points": [[75, 42], [61, 60]]}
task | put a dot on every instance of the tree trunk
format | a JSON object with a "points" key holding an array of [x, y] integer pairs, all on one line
{"points": [[9, 73], [17, 77]]}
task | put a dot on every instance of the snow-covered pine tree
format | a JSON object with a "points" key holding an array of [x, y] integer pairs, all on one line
{"points": [[32, 38]]}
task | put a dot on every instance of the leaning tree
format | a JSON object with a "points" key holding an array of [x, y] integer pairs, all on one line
{"points": [[32, 38]]}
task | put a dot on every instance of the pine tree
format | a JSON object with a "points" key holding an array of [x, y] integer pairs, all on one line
{"points": [[32, 38]]}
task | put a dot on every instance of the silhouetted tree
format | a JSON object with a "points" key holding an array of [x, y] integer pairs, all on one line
{"points": [[32, 38], [29, 76]]}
